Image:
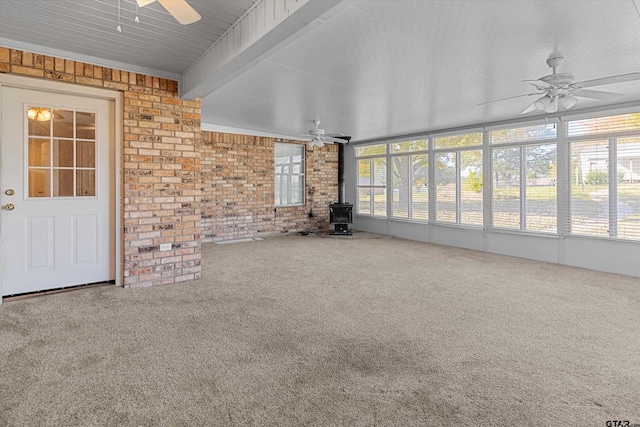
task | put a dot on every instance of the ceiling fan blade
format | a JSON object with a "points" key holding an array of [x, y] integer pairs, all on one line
{"points": [[529, 109], [336, 140], [511, 97], [539, 84], [142, 3], [181, 10], [609, 80], [597, 94]]}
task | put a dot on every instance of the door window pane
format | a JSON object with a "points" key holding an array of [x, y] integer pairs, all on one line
{"points": [[86, 154], [63, 123], [63, 183], [39, 121], [85, 125], [39, 153], [39, 183], [63, 153], [85, 183]]}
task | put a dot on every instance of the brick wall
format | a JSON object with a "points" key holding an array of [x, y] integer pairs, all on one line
{"points": [[161, 165], [238, 188]]}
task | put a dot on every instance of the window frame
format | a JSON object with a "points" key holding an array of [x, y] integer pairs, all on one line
{"points": [[548, 210], [458, 150], [409, 155], [289, 175], [613, 195], [372, 187]]}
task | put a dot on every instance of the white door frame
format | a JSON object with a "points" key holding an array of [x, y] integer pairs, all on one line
{"points": [[87, 92]]}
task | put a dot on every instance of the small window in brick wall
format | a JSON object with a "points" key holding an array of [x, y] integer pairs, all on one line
{"points": [[289, 174]]}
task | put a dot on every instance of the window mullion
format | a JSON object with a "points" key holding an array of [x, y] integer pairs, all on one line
{"points": [[523, 189], [410, 172], [389, 183], [613, 188], [487, 187], [458, 192], [372, 192], [563, 180]]}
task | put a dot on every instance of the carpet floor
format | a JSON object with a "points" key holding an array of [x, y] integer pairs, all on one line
{"points": [[320, 331]]}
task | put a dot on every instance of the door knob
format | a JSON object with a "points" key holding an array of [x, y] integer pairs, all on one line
{"points": [[8, 207]]}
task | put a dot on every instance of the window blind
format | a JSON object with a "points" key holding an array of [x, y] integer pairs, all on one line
{"points": [[605, 176]]}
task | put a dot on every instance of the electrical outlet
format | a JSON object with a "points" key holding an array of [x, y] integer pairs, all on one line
{"points": [[165, 246]]}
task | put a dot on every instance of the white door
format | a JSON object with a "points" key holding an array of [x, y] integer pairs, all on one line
{"points": [[57, 223]]}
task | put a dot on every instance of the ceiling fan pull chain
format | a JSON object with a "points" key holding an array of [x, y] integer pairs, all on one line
{"points": [[119, 27]]}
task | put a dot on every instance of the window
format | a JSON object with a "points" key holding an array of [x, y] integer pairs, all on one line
{"points": [[289, 174], [605, 176], [441, 179], [61, 153], [458, 179], [524, 192], [372, 180], [410, 180]]}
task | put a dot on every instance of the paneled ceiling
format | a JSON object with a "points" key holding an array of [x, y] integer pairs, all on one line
{"points": [[367, 68], [158, 44]]}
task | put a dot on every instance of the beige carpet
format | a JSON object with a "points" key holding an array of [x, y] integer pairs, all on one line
{"points": [[320, 331]]}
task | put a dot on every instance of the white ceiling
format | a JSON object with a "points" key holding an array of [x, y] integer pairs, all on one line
{"points": [[366, 68], [158, 44]]}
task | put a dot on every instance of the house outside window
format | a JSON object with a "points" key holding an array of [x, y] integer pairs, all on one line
{"points": [[410, 179], [372, 180], [289, 174], [605, 176], [524, 177], [507, 178], [458, 178]]}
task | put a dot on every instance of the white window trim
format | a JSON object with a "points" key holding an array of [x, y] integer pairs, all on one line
{"points": [[290, 174]]}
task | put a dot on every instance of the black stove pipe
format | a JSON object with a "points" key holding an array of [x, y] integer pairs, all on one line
{"points": [[341, 184]]}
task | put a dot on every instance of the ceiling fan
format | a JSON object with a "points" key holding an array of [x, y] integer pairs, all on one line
{"points": [[317, 137], [560, 89], [179, 9]]}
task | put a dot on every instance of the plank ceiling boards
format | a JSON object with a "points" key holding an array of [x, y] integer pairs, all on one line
{"points": [[380, 68], [365, 68], [88, 27]]}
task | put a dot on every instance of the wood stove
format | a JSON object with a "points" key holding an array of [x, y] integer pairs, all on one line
{"points": [[341, 215]]}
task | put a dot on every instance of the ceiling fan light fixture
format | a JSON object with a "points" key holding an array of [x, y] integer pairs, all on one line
{"points": [[39, 114], [568, 101], [543, 103]]}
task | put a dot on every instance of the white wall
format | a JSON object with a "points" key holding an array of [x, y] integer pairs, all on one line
{"points": [[611, 256]]}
